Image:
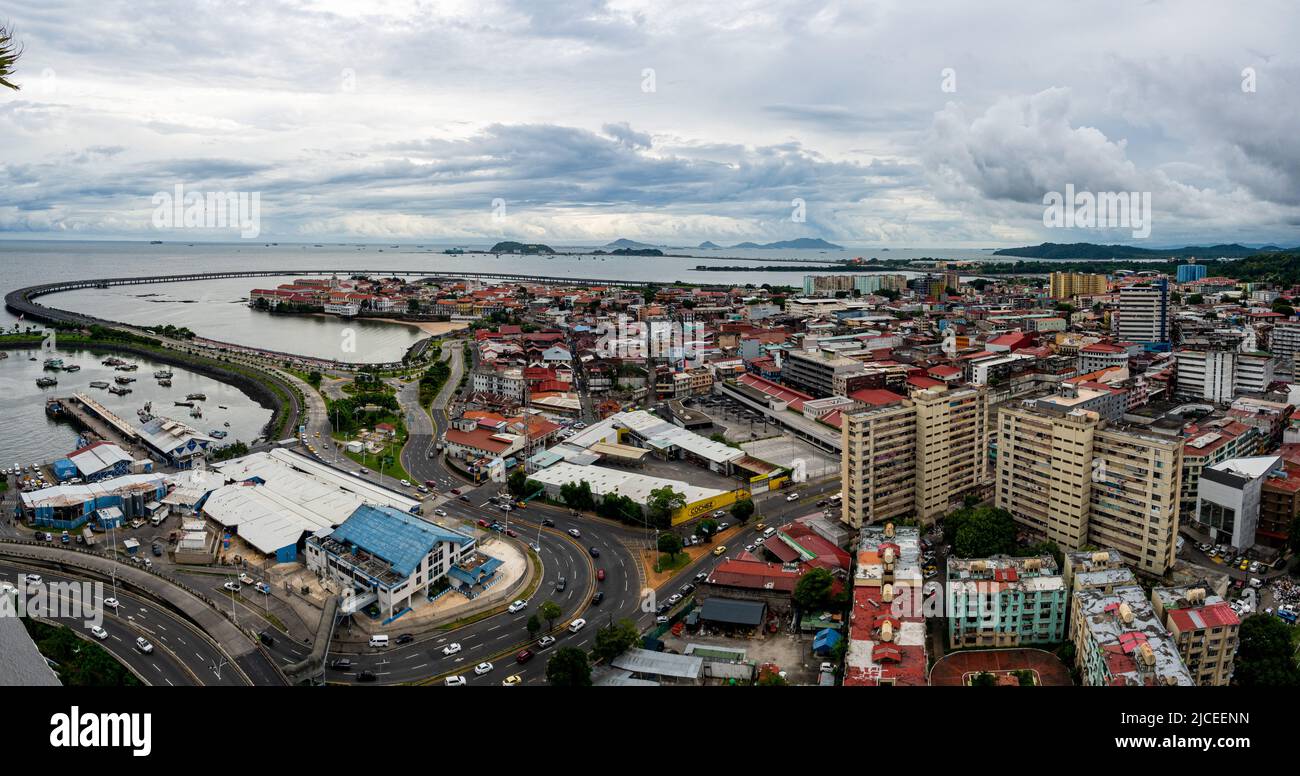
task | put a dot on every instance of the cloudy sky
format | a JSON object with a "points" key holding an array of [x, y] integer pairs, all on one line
{"points": [[896, 123]]}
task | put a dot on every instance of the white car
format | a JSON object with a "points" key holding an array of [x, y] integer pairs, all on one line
{"points": [[110, 603], [545, 642], [483, 668], [233, 586], [575, 533], [451, 649], [577, 625], [33, 579], [440, 512], [406, 483], [517, 606], [143, 645], [454, 681], [792, 497], [99, 632]]}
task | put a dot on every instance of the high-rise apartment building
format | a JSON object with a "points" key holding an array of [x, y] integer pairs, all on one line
{"points": [[1219, 375], [1064, 285], [916, 456], [1143, 314], [1078, 481]]}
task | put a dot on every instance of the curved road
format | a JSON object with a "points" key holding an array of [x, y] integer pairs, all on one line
{"points": [[181, 654]]}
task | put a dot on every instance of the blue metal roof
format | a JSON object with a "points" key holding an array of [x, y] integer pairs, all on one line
{"points": [[400, 538]]}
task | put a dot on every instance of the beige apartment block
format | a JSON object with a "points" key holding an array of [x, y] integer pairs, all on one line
{"points": [[1077, 481]]}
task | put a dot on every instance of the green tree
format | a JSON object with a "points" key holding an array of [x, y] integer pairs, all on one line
{"points": [[707, 527], [980, 531], [1195, 299], [1265, 656], [550, 611], [813, 590], [662, 503], [669, 543], [742, 510], [983, 679], [517, 483], [569, 667], [10, 51], [615, 639], [314, 378], [534, 626]]}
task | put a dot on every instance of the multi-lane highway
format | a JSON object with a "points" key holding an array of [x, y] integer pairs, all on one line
{"points": [[181, 654]]}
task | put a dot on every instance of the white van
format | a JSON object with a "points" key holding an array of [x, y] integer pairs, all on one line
{"points": [[379, 641], [577, 625], [768, 533]]}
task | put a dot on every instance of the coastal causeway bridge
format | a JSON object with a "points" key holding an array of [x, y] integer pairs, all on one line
{"points": [[20, 301]]}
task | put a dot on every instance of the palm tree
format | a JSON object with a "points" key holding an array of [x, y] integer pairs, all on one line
{"points": [[10, 51]]}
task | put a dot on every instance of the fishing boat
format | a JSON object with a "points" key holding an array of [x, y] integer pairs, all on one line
{"points": [[72, 368], [163, 374], [53, 363], [222, 407], [99, 384], [3, 355], [217, 434], [128, 367], [184, 404], [118, 390], [124, 380], [165, 383], [46, 382], [226, 424], [112, 361], [196, 412], [196, 397]]}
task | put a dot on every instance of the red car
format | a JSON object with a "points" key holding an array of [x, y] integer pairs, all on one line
{"points": [[524, 656], [511, 533], [455, 491], [482, 524], [431, 484], [600, 575]]}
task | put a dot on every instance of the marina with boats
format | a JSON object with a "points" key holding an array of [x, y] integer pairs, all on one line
{"points": [[28, 379]]}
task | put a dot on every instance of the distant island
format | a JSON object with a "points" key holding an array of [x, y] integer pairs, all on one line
{"points": [[800, 244], [630, 252], [709, 246], [518, 247], [623, 242], [1095, 252]]}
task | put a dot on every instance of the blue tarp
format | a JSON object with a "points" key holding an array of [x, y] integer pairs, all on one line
{"points": [[825, 641], [64, 469]]}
